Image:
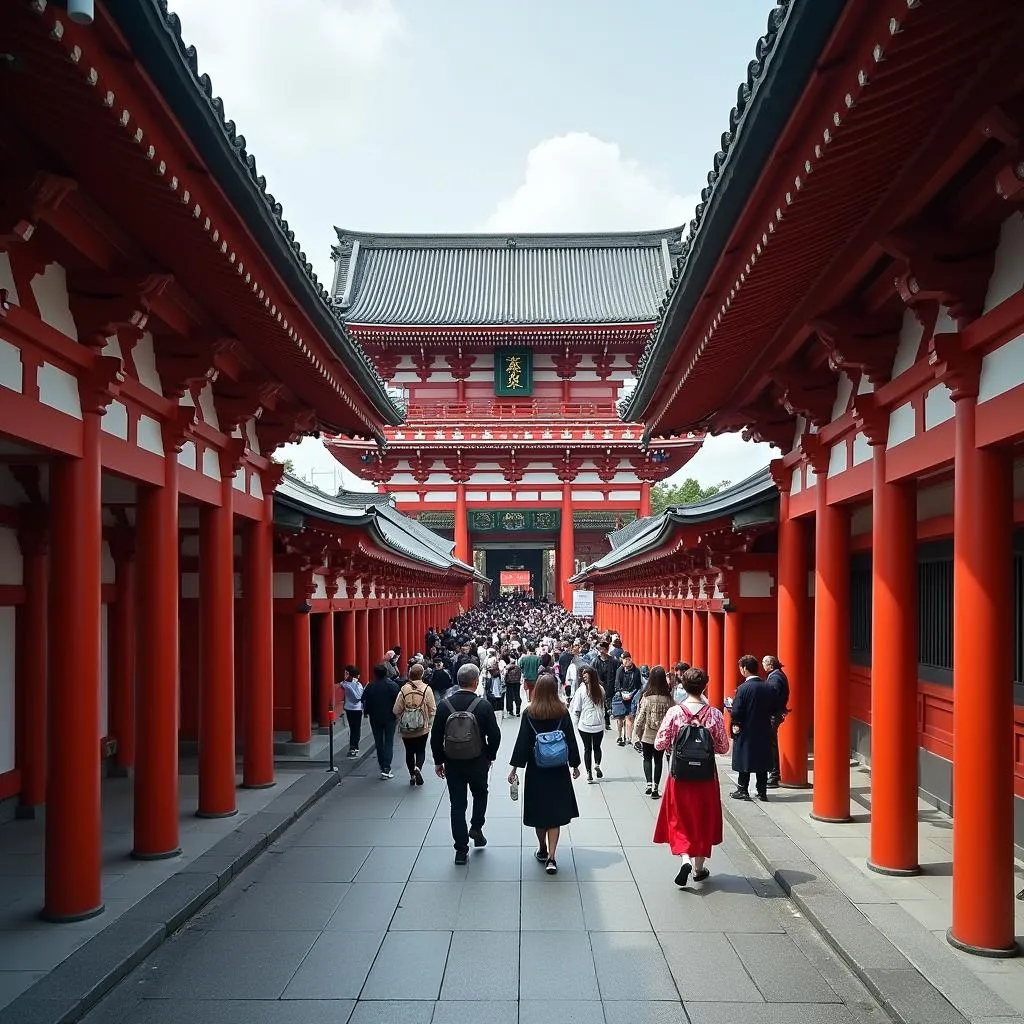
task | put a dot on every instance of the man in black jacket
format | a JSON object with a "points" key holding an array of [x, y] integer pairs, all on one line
{"points": [[379, 696], [627, 681], [779, 682], [751, 727], [606, 667], [463, 775]]}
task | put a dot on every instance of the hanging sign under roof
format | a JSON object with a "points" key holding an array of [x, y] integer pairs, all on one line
{"points": [[513, 372], [514, 520]]}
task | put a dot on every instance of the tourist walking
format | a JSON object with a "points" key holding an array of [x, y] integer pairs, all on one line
{"points": [[513, 689], [493, 685], [379, 697], [587, 711], [606, 667], [530, 665], [627, 682], [750, 712], [464, 741], [690, 816], [546, 747], [654, 705], [414, 710], [777, 679], [353, 691]]}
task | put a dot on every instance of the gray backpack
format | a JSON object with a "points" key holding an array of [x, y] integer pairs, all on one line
{"points": [[462, 739]]}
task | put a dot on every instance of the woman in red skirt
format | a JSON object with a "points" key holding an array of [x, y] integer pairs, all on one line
{"points": [[690, 820]]}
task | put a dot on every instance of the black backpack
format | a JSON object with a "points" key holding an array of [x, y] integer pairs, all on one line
{"points": [[693, 752], [462, 739]]}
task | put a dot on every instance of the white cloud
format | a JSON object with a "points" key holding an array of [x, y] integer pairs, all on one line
{"points": [[317, 466], [726, 457], [577, 182]]}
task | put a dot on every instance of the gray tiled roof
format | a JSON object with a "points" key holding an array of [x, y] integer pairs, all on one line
{"points": [[422, 280]]}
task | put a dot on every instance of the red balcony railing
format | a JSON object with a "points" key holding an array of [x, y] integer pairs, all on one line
{"points": [[537, 409]]}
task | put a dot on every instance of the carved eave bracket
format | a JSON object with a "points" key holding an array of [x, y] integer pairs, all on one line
{"points": [[100, 384], [102, 304], [178, 428], [815, 453], [25, 200], [461, 365], [957, 368], [284, 427], [781, 474], [859, 343], [871, 419], [566, 364], [808, 393]]}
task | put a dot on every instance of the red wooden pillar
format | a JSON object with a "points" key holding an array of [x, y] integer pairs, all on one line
{"points": [[645, 498], [733, 650], [349, 649], [664, 618], [72, 852], [687, 636], [983, 879], [302, 679], [700, 640], [362, 625], [375, 617], [217, 655], [566, 547], [121, 667], [716, 658], [258, 692], [30, 673], [893, 673], [831, 800], [794, 617], [327, 679], [673, 636], [157, 693]]}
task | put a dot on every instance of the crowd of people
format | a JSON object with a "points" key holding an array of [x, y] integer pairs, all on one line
{"points": [[562, 676]]}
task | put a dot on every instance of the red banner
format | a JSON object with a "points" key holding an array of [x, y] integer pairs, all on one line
{"points": [[511, 578]]}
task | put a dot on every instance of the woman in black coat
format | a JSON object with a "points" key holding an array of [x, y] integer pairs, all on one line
{"points": [[548, 798]]}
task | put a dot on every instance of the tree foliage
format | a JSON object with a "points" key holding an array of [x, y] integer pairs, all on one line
{"points": [[689, 492]]}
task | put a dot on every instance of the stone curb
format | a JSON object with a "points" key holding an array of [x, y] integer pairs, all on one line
{"points": [[81, 980], [903, 992]]}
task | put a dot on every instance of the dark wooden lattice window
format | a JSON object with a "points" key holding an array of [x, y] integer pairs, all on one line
{"points": [[935, 611], [860, 609]]}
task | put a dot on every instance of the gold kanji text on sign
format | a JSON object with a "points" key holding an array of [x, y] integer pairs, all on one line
{"points": [[514, 373]]}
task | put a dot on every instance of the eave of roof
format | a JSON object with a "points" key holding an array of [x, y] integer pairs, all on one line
{"points": [[757, 489], [154, 34], [786, 56]]}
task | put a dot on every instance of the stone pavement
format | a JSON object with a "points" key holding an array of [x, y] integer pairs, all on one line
{"points": [[358, 915], [891, 930]]}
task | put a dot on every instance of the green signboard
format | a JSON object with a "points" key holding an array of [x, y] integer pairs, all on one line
{"points": [[514, 521], [513, 372]]}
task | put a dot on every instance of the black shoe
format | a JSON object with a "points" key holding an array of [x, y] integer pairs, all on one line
{"points": [[763, 797], [542, 856], [684, 874], [598, 772], [740, 794], [655, 795], [419, 777], [412, 780], [699, 876], [551, 867], [773, 783], [478, 837], [462, 856]]}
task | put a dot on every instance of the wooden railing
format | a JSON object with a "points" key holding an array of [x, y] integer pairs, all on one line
{"points": [[429, 412]]}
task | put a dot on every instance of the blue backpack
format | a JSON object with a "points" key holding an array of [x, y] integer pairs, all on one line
{"points": [[550, 749]]}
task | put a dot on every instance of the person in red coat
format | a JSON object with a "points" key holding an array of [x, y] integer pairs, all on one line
{"points": [[690, 819]]}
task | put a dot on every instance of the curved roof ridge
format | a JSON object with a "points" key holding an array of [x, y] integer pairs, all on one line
{"points": [[501, 239]]}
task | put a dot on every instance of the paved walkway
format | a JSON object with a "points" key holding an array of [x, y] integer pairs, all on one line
{"points": [[358, 914]]}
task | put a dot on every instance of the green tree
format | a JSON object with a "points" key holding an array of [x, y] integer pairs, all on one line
{"points": [[289, 466], [689, 492]]}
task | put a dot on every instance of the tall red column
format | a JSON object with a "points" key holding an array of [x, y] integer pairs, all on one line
{"points": [[258, 693], [831, 799], [700, 639], [674, 616], [733, 650], [349, 648], [156, 695], [687, 636], [645, 498], [72, 853], [363, 660], [794, 616], [566, 546], [664, 618], [121, 660], [375, 617], [983, 879], [716, 658], [463, 551], [302, 679], [326, 680], [30, 673], [893, 674], [217, 654]]}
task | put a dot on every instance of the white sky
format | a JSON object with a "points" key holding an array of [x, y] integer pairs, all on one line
{"points": [[474, 115]]}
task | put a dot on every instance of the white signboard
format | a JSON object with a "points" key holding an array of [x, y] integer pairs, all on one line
{"points": [[583, 603]]}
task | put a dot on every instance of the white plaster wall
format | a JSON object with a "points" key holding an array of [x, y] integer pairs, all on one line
{"points": [[104, 668], [1008, 273], [541, 478], [844, 390], [587, 495], [7, 279], [150, 435], [10, 558], [625, 495], [406, 497], [901, 425], [529, 496], [206, 406], [211, 463], [11, 372], [59, 390], [501, 495], [797, 483], [112, 347], [321, 587], [51, 291], [255, 486], [938, 406], [1002, 369], [187, 455], [144, 356], [115, 421], [864, 386], [550, 495], [488, 478], [7, 629], [910, 338], [861, 450], [837, 459], [440, 496], [810, 476], [284, 585], [250, 435], [756, 584], [238, 480]]}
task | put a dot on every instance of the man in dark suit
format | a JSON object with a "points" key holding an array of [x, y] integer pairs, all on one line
{"points": [[776, 678], [751, 712]]}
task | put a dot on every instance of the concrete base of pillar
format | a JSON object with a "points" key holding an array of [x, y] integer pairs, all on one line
{"points": [[992, 954], [895, 872], [220, 814], [831, 821], [156, 856], [44, 915]]}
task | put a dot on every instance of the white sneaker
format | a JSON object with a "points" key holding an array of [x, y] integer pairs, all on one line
{"points": [[387, 775]]}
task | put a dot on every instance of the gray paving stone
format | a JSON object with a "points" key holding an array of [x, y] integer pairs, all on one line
{"points": [[364, 833], [613, 907], [392, 1011], [409, 966], [601, 864], [485, 906], [911, 998], [291, 906], [780, 971], [646, 1011], [545, 906], [695, 982], [496, 864], [434, 864], [464, 1012], [316, 864], [367, 906], [547, 1011], [772, 1013], [230, 1011], [586, 831], [635, 956], [533, 870], [557, 965], [853, 933], [482, 964], [672, 910], [388, 864], [226, 965], [336, 967], [428, 906]]}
